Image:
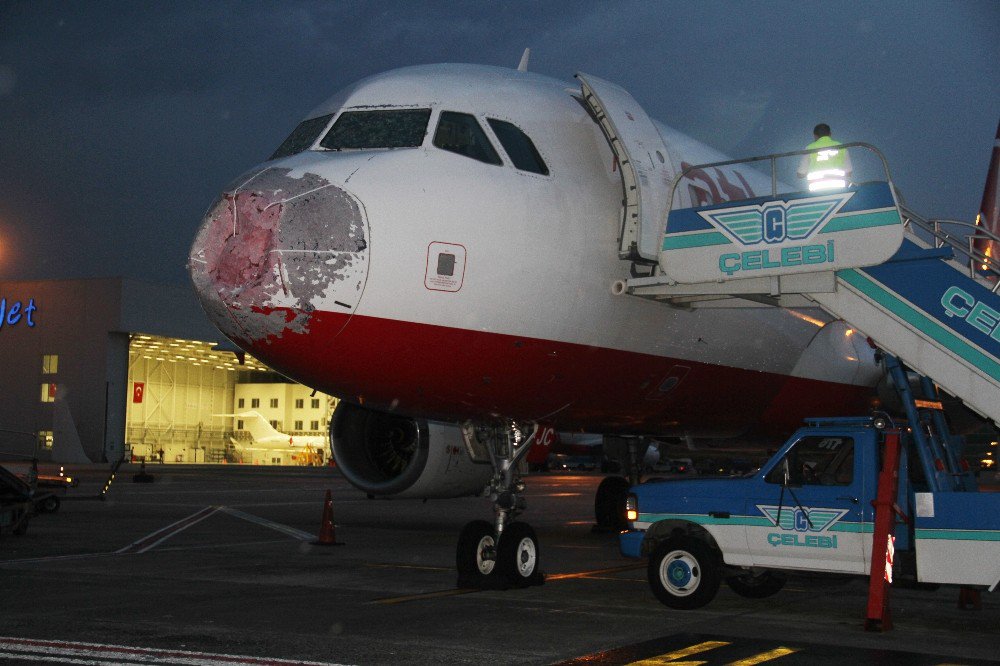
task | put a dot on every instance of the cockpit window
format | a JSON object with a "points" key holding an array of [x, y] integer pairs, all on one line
{"points": [[301, 137], [519, 147], [460, 133], [358, 130]]}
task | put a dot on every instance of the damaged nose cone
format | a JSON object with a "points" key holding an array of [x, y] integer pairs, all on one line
{"points": [[278, 250]]}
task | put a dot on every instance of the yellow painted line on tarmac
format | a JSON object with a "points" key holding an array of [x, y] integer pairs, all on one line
{"points": [[456, 592], [619, 580], [670, 657], [406, 566], [388, 601], [595, 572], [763, 657]]}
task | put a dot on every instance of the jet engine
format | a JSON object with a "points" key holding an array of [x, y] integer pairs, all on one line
{"points": [[391, 455]]}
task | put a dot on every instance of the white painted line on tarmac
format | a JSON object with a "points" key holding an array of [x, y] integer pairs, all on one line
{"points": [[68, 652], [154, 539], [55, 558], [219, 491], [60, 659], [150, 541], [284, 529]]}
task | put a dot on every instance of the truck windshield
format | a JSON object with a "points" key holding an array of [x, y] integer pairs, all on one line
{"points": [[360, 130], [817, 460]]}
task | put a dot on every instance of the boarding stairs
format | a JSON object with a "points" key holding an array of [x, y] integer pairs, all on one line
{"points": [[921, 292]]}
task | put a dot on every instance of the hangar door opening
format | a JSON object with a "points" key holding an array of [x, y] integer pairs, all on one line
{"points": [[176, 387], [191, 403]]}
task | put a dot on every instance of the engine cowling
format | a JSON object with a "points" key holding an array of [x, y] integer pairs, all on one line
{"points": [[391, 455]]}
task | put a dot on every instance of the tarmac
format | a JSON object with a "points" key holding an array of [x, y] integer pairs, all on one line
{"points": [[215, 565]]}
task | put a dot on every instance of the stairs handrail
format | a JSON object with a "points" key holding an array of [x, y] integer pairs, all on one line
{"points": [[978, 262], [773, 159]]}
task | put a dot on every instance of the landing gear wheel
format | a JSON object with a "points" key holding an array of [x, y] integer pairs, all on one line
{"points": [[609, 505], [476, 556], [683, 573], [518, 556], [759, 586]]}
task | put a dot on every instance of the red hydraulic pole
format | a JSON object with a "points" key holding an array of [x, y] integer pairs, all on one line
{"points": [[879, 618]]}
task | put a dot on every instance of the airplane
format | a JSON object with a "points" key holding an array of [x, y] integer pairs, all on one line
{"points": [[267, 438], [988, 217], [437, 246]]}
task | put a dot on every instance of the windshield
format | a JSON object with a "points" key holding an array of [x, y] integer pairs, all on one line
{"points": [[519, 147], [460, 133], [301, 137], [402, 128]]}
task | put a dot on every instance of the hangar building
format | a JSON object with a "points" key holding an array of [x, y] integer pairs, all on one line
{"points": [[114, 366]]}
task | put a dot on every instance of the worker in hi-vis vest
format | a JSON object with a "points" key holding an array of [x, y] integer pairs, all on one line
{"points": [[827, 169]]}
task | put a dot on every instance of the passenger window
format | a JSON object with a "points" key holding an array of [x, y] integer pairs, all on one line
{"points": [[519, 147], [460, 133], [817, 461], [358, 130], [301, 137]]}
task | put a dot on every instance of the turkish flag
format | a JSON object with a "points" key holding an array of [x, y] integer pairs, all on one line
{"points": [[138, 388]]}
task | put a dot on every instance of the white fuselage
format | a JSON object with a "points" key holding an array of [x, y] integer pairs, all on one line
{"points": [[527, 326]]}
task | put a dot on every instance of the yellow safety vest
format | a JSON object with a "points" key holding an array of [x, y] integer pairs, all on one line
{"points": [[826, 167]]}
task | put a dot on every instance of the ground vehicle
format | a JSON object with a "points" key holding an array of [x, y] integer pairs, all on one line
{"points": [[810, 508], [19, 500], [564, 462], [674, 466]]}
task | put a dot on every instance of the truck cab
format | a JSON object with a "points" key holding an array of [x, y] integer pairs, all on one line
{"points": [[808, 508]]}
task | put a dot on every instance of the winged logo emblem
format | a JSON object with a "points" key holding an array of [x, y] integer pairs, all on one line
{"points": [[777, 221], [802, 519]]}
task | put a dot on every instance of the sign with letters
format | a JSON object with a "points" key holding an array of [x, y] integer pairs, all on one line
{"points": [[791, 233], [13, 313]]}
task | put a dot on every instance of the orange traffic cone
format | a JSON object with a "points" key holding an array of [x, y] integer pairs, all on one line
{"points": [[327, 534]]}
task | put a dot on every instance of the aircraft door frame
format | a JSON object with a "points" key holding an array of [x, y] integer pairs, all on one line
{"points": [[646, 171]]}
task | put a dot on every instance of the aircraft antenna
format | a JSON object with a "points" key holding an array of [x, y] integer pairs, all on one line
{"points": [[523, 66]]}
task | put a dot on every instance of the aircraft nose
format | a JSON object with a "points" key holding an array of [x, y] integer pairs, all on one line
{"points": [[276, 249]]}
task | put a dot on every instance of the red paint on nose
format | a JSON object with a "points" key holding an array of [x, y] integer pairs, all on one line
{"points": [[243, 232]]}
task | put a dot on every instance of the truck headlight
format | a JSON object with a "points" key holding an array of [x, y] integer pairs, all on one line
{"points": [[632, 508]]}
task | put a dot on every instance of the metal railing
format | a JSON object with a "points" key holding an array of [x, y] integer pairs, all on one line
{"points": [[773, 159], [979, 263]]}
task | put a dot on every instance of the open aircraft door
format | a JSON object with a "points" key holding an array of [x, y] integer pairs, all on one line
{"points": [[646, 171]]}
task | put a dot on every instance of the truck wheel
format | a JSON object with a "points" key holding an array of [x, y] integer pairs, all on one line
{"points": [[609, 504], [517, 557], [683, 573], [764, 584], [48, 505], [476, 555]]}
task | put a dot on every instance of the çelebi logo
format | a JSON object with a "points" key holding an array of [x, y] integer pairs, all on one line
{"points": [[801, 520], [14, 312], [960, 303], [776, 222]]}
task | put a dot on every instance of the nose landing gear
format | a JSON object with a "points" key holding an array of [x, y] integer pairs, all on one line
{"points": [[505, 554]]}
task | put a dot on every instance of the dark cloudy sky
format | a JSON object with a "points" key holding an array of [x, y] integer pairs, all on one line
{"points": [[120, 121]]}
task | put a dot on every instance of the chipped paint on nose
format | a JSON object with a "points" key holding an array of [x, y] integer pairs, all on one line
{"points": [[245, 255], [275, 250]]}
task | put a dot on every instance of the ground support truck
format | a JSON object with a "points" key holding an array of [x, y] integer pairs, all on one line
{"points": [[20, 500], [811, 507]]}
